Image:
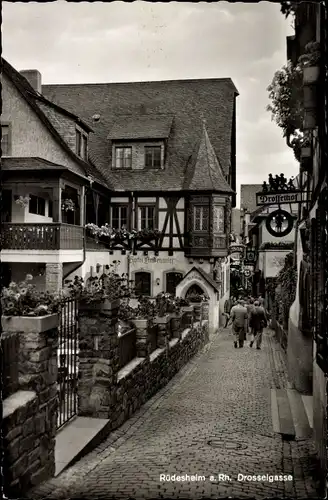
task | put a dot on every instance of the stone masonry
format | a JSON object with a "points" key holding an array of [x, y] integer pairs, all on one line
{"points": [[30, 414], [104, 391], [54, 277], [212, 418]]}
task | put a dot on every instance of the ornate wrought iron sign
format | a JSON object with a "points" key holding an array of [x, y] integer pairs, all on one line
{"points": [[236, 251], [278, 191], [251, 256], [279, 223]]}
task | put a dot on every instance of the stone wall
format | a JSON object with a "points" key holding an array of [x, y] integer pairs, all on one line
{"points": [[299, 358], [320, 418], [108, 393], [30, 414]]}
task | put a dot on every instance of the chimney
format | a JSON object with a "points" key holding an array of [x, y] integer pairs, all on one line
{"points": [[33, 76]]}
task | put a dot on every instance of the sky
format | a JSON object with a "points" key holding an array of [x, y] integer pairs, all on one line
{"points": [[122, 42]]}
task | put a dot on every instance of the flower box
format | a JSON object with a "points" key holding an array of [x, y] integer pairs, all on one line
{"points": [[306, 152], [162, 320], [103, 306], [311, 74], [29, 324], [310, 119], [140, 323], [187, 309]]}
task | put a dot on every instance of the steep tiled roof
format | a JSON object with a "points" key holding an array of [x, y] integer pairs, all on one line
{"points": [[32, 98], [248, 196], [204, 171], [141, 127], [188, 100], [29, 163]]}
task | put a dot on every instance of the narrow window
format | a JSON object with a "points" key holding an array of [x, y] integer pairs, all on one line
{"points": [[201, 218], [142, 283], [147, 217], [119, 216], [78, 142], [172, 281], [37, 205], [84, 150], [5, 142]]}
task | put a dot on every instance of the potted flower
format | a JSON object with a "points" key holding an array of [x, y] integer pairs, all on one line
{"points": [[68, 205], [306, 151], [162, 308], [147, 235], [28, 309], [143, 313], [22, 201], [310, 62], [102, 293]]}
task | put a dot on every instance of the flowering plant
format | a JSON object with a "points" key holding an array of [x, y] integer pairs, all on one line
{"points": [[312, 55], [148, 234], [109, 285], [196, 297], [23, 201], [121, 234], [24, 299], [68, 205], [286, 94]]}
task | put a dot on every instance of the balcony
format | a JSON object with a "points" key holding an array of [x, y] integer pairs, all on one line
{"points": [[39, 241]]}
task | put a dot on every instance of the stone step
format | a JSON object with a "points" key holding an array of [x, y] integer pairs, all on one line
{"points": [[292, 413], [77, 438], [308, 405], [286, 422], [300, 417]]}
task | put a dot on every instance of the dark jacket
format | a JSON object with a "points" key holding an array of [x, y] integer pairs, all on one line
{"points": [[258, 319]]}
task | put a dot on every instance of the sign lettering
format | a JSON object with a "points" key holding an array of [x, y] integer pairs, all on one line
{"points": [[151, 260], [276, 198]]}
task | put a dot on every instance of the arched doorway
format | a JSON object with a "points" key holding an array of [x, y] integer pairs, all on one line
{"points": [[195, 291]]}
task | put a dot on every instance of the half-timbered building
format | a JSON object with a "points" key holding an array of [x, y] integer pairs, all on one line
{"points": [[167, 151]]}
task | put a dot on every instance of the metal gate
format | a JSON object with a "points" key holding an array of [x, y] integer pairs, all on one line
{"points": [[67, 358]]}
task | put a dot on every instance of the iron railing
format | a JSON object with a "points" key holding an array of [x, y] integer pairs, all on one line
{"points": [[30, 236], [127, 347], [67, 355]]}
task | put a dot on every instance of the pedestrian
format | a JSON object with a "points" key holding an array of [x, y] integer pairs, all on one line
{"points": [[238, 316], [261, 300], [250, 307], [227, 309], [258, 321]]}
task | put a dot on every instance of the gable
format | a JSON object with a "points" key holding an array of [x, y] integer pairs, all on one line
{"points": [[29, 136], [188, 100]]}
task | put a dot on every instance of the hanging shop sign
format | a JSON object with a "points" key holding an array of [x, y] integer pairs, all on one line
{"points": [[247, 273], [236, 251], [280, 198], [251, 256], [278, 190], [279, 223]]}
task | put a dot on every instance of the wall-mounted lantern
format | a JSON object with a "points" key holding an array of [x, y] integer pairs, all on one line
{"points": [[158, 281]]}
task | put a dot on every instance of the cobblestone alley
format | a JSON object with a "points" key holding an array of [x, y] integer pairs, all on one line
{"points": [[213, 418]]}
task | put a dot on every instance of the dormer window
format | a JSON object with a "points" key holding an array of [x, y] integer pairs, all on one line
{"points": [[81, 144], [123, 157], [153, 156]]}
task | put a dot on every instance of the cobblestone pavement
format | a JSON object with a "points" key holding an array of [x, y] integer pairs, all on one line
{"points": [[213, 418]]}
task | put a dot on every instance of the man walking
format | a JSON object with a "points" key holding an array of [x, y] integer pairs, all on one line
{"points": [[258, 321], [239, 317], [250, 308], [227, 309]]}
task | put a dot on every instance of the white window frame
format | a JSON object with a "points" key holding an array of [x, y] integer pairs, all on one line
{"points": [[158, 147], [204, 224], [119, 206], [124, 158], [147, 218]]}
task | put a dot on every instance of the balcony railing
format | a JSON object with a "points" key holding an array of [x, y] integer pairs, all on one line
{"points": [[30, 236]]}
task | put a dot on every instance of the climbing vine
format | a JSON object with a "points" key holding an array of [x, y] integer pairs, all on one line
{"points": [[286, 290]]}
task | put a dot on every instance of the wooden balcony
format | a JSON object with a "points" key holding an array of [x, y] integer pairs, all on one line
{"points": [[30, 236]]}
